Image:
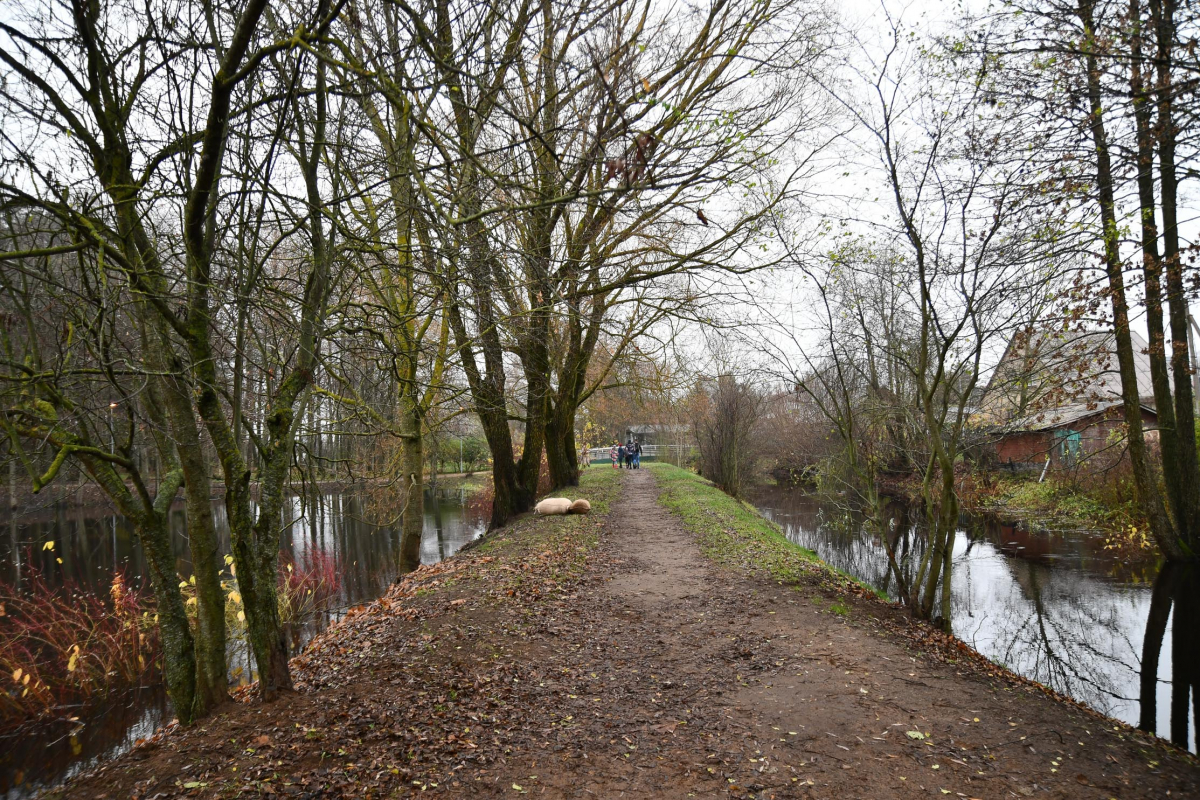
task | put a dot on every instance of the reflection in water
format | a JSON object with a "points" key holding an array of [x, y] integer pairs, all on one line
{"points": [[92, 544], [1177, 593], [1055, 607]]}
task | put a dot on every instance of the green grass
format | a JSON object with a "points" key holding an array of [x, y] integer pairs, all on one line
{"points": [[733, 533], [468, 483], [1055, 504]]}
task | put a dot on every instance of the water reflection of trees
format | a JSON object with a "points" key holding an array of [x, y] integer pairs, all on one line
{"points": [[1065, 631], [1176, 594], [1055, 607], [93, 543], [36, 757]]}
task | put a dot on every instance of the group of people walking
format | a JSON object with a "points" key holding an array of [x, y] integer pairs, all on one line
{"points": [[628, 455]]}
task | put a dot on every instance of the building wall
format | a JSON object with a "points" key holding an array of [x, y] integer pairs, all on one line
{"points": [[1099, 442], [1026, 447]]}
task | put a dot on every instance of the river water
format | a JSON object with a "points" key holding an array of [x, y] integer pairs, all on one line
{"points": [[93, 544], [1057, 607]]}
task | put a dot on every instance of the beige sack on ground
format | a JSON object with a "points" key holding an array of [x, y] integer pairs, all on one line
{"points": [[580, 506], [553, 505]]}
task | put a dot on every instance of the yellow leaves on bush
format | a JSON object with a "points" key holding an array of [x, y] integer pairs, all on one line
{"points": [[73, 661]]}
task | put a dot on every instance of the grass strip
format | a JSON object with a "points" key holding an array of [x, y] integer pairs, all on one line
{"points": [[734, 534], [731, 531]]}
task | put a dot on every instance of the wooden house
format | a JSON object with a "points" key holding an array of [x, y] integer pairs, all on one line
{"points": [[1056, 396]]}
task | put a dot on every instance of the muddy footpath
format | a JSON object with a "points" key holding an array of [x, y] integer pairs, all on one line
{"points": [[609, 655]]}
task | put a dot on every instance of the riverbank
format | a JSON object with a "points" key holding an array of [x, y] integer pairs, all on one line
{"points": [[1055, 504], [672, 643], [331, 541], [1102, 503]]}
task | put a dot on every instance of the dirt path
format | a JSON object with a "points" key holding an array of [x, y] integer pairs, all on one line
{"points": [[629, 665], [718, 685]]}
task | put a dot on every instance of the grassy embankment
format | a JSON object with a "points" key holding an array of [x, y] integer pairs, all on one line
{"points": [[1060, 502], [1104, 504], [469, 482], [734, 534]]}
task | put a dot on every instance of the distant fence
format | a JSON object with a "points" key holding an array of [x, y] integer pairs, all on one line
{"points": [[650, 452]]}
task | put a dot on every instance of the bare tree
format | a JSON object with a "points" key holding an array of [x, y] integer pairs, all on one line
{"points": [[725, 414], [910, 313], [1113, 83]]}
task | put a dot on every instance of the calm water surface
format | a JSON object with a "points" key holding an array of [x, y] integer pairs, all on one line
{"points": [[1055, 607], [93, 544]]}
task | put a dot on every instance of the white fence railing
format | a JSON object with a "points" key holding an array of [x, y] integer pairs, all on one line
{"points": [[654, 451]]}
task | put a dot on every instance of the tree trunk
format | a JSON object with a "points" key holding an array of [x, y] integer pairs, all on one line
{"points": [[1152, 268], [1149, 499], [561, 456], [261, 549], [212, 676], [1183, 473], [178, 647], [487, 393], [1156, 627], [507, 499], [945, 611], [1185, 652], [171, 412], [173, 425], [412, 465], [536, 363]]}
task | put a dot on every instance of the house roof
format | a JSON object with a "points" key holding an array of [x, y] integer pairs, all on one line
{"points": [[1063, 416], [1051, 378]]}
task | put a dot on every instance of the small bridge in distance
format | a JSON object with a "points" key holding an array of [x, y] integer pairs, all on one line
{"points": [[650, 452]]}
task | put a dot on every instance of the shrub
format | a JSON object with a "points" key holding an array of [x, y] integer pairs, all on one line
{"points": [[310, 588], [65, 647]]}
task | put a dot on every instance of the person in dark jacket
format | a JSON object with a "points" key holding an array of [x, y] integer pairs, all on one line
{"points": [[622, 455], [637, 455], [629, 455]]}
